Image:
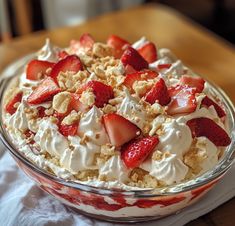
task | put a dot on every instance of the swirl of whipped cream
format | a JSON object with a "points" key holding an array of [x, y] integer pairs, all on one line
{"points": [[19, 120], [132, 110], [114, 169], [26, 85], [48, 52], [141, 42], [170, 169], [204, 145], [176, 137], [80, 157], [90, 125], [49, 139]]}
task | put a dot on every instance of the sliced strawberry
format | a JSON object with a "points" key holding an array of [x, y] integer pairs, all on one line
{"points": [[163, 66], [76, 104], [37, 68], [129, 69], [119, 129], [118, 45], [158, 93], [133, 58], [194, 82], [70, 63], [208, 128], [209, 102], [68, 130], [62, 54], [182, 100], [44, 91], [148, 52], [139, 76], [136, 151], [41, 112], [86, 41], [10, 106], [103, 93]]}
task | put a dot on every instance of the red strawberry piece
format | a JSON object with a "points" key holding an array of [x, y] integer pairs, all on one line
{"points": [[205, 127], [148, 52], [76, 104], [68, 130], [209, 102], [118, 45], [194, 82], [136, 151], [62, 54], [182, 100], [86, 41], [129, 69], [163, 66], [44, 91], [139, 76], [103, 93], [41, 112], [158, 93], [133, 58], [119, 129], [70, 63], [10, 106], [37, 68]]}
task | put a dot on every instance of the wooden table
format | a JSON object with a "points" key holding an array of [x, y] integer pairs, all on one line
{"points": [[198, 48]]}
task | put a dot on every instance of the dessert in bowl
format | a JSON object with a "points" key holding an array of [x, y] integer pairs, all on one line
{"points": [[118, 131]]}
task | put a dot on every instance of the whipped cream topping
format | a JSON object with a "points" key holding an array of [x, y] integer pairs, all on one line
{"points": [[176, 137], [141, 42], [132, 110], [26, 85], [114, 169], [19, 121], [211, 154], [80, 156], [169, 170], [48, 52], [91, 126], [49, 139]]}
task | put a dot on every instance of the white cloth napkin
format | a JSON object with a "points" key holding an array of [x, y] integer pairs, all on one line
{"points": [[22, 203]]}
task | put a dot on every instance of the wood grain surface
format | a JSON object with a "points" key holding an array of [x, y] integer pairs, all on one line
{"points": [[201, 50]]}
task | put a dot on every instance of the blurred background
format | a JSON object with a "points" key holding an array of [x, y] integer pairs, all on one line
{"points": [[21, 17]]}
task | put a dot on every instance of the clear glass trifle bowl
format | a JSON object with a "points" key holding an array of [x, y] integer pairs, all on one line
{"points": [[117, 204]]}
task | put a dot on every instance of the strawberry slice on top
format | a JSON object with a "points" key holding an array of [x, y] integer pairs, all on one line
{"points": [[209, 102], [133, 58], [148, 52], [158, 93], [10, 106], [118, 44], [183, 100], [68, 130], [138, 76], [71, 63], [103, 93], [119, 129], [208, 128], [44, 91], [194, 82], [37, 68], [85, 42], [137, 150]]}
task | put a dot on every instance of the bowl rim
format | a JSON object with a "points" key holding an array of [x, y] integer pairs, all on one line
{"points": [[224, 165]]}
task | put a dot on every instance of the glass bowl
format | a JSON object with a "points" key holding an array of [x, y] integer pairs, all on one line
{"points": [[113, 204]]}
